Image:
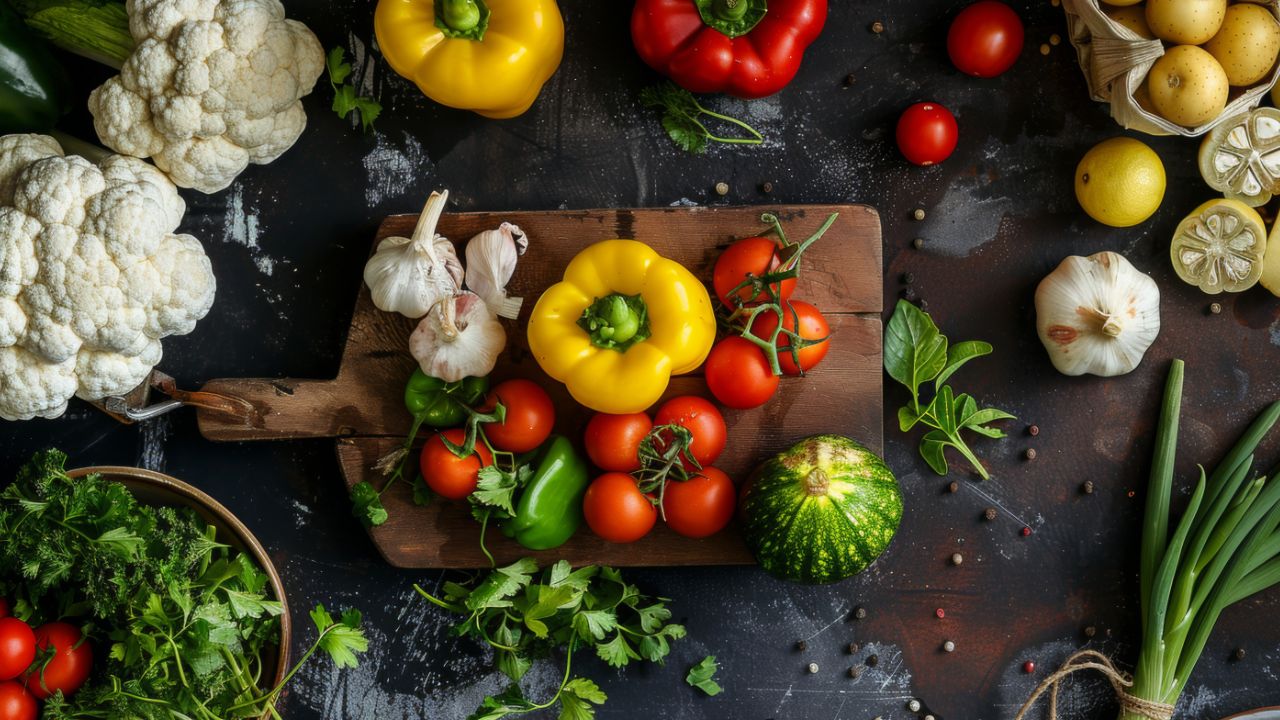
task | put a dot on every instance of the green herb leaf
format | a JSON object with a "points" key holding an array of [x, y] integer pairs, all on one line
{"points": [[702, 674], [366, 504], [345, 98], [502, 584], [577, 698], [338, 67], [959, 354], [914, 351], [681, 118]]}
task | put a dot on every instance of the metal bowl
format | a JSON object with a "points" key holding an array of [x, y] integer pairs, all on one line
{"points": [[153, 488]]}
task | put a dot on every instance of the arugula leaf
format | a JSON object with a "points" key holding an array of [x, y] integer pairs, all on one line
{"points": [[366, 504], [915, 353], [681, 114], [702, 674], [345, 99]]}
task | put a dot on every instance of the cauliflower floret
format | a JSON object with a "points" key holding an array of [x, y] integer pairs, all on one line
{"points": [[212, 86], [92, 276]]}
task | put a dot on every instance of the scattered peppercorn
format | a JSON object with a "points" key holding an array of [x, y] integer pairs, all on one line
{"points": [[1034, 430], [1044, 48], [918, 213], [1087, 487], [1026, 531], [940, 613], [859, 612], [766, 187], [873, 660], [1215, 308], [948, 646], [1131, 493], [877, 27], [953, 487], [802, 645], [849, 80], [722, 188], [813, 668], [917, 243], [909, 294], [1055, 39], [957, 559], [1028, 667], [990, 514], [1090, 631], [1031, 453], [855, 672], [913, 705], [1238, 654], [908, 278], [853, 648]]}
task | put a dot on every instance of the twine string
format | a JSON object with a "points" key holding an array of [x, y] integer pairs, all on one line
{"points": [[1120, 682]]}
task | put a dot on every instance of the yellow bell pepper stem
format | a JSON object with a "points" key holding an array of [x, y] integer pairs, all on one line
{"points": [[489, 56], [618, 326]]}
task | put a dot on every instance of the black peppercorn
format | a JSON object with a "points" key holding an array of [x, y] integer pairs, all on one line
{"points": [[1034, 430], [1090, 631], [802, 645], [1238, 654], [859, 613], [766, 187], [953, 487], [990, 514], [855, 672], [873, 660], [853, 648], [849, 80]]}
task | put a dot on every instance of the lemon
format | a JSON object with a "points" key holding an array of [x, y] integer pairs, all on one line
{"points": [[1120, 182], [1220, 247]]}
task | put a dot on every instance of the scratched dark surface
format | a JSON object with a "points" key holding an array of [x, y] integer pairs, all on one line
{"points": [[287, 242]]}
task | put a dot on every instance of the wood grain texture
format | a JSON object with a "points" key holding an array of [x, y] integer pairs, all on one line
{"points": [[363, 405]]}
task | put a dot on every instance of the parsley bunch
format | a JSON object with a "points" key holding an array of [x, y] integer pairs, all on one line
{"points": [[181, 623], [524, 617]]}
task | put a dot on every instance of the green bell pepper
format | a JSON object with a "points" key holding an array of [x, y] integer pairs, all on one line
{"points": [[550, 508], [34, 89], [439, 404]]}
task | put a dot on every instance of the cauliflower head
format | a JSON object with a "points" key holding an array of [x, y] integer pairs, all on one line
{"points": [[211, 86], [92, 275]]}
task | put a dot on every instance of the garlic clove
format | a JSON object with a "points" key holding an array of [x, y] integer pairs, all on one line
{"points": [[410, 275], [1097, 315], [491, 261]]}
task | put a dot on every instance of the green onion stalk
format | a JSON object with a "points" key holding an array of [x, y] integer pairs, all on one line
{"points": [[94, 29], [1225, 548]]}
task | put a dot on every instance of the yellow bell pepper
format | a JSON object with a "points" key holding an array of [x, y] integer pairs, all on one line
{"points": [[490, 56], [620, 324]]}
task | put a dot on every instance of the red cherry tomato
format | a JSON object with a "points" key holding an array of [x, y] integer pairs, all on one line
{"points": [[703, 421], [927, 133], [448, 475], [985, 39], [738, 373], [69, 667], [700, 506], [616, 510], [17, 647], [16, 703], [530, 416], [613, 441], [813, 326], [757, 256]]}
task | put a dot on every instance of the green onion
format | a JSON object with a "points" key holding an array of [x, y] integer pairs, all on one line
{"points": [[1225, 548]]}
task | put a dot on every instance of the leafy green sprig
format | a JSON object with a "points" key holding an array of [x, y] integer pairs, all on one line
{"points": [[525, 616], [345, 99], [682, 118], [916, 353]]}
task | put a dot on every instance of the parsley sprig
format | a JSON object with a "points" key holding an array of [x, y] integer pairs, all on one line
{"points": [[345, 100], [682, 118], [524, 615]]}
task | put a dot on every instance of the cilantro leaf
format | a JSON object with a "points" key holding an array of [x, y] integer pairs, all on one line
{"points": [[682, 119], [502, 584], [342, 640], [577, 698], [366, 504], [497, 488], [338, 67], [702, 674], [345, 99]]}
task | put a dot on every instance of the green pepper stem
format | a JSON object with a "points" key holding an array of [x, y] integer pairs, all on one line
{"points": [[616, 321], [462, 19], [730, 10], [733, 18]]}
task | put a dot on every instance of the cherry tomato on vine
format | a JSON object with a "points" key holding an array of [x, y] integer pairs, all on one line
{"points": [[616, 510], [530, 416], [448, 475], [757, 256], [17, 647], [813, 326], [69, 667], [16, 703], [927, 133], [985, 39], [738, 373], [613, 441], [702, 505], [703, 421]]}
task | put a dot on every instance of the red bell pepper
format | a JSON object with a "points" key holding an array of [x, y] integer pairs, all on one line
{"points": [[741, 47]]}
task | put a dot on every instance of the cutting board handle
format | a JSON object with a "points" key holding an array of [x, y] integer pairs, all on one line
{"points": [[282, 409]]}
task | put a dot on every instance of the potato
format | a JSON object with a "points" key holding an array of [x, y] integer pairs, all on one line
{"points": [[1186, 22], [1247, 44], [1188, 86], [1134, 18]]}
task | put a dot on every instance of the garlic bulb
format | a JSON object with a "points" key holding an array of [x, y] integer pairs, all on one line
{"points": [[491, 261], [411, 275], [1097, 315], [459, 338]]}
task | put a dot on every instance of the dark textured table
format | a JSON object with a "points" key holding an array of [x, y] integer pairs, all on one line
{"points": [[287, 242]]}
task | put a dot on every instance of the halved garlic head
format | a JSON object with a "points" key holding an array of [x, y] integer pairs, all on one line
{"points": [[1220, 247], [1241, 157]]}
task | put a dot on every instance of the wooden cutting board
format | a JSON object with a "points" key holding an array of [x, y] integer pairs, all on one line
{"points": [[363, 406]]}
